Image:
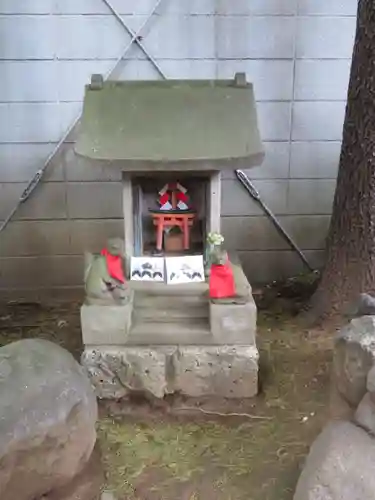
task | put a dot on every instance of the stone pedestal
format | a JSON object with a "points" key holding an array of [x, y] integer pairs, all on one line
{"points": [[163, 342], [106, 325], [196, 371]]}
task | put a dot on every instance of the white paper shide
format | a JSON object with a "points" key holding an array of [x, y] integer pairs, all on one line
{"points": [[184, 269], [147, 269]]}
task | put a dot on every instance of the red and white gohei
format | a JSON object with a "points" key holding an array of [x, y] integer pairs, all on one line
{"points": [[173, 196]]}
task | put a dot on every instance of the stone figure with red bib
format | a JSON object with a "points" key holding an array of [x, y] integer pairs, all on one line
{"points": [[105, 282]]}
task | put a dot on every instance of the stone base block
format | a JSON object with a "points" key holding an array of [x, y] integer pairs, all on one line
{"points": [[195, 371], [224, 371], [233, 323], [105, 324]]}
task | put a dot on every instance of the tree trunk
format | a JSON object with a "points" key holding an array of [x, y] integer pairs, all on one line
{"points": [[350, 248]]}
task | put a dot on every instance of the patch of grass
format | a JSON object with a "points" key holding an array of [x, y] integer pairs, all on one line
{"points": [[222, 459], [183, 452], [252, 460]]}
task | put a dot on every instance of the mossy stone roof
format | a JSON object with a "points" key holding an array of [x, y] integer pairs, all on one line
{"points": [[169, 121]]}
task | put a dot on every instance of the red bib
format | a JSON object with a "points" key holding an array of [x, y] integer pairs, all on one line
{"points": [[114, 266], [221, 283]]}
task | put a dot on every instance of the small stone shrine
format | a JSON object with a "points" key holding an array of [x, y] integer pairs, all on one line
{"points": [[149, 322]]}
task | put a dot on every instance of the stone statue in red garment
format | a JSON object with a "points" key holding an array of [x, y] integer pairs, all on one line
{"points": [[105, 282]]}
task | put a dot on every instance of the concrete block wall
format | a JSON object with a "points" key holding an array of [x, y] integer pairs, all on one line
{"points": [[296, 52]]}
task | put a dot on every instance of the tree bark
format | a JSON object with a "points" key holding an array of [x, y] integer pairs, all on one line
{"points": [[350, 249]]}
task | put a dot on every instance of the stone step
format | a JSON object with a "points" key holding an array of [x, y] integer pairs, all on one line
{"points": [[145, 300], [167, 312], [150, 288], [185, 331]]}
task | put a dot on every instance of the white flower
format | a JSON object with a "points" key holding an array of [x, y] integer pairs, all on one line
{"points": [[215, 238]]}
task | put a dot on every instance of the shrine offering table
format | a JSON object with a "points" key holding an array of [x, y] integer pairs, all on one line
{"points": [[168, 219]]}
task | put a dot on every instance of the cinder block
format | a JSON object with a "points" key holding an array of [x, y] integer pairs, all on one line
{"points": [[72, 89], [105, 325], [275, 164], [78, 168], [86, 35], [272, 80], [309, 232], [141, 7], [41, 272], [28, 81], [311, 196], [95, 200], [193, 37], [257, 7], [33, 238], [191, 7], [323, 80], [92, 235], [237, 201], [318, 121], [19, 162], [28, 37], [259, 233], [225, 371], [255, 37], [35, 122], [30, 122], [25, 7], [274, 120], [173, 68], [263, 267], [234, 323], [311, 160], [331, 8], [325, 37], [47, 202]]}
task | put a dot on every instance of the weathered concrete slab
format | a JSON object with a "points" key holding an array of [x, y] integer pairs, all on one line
{"points": [[226, 371], [233, 323], [116, 372], [196, 371], [185, 331], [105, 324]]}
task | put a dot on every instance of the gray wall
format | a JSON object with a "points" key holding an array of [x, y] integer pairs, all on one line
{"points": [[297, 53]]}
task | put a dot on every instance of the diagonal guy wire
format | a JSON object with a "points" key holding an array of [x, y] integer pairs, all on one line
{"points": [[136, 38]]}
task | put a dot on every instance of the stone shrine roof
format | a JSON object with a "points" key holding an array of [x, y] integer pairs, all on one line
{"points": [[170, 121]]}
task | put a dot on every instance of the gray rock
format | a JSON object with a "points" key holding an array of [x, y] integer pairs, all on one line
{"points": [[116, 372], [48, 415], [354, 356], [363, 306], [365, 414], [224, 371], [370, 385], [86, 486], [107, 495], [339, 408], [339, 466]]}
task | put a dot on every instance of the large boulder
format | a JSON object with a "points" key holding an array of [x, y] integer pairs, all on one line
{"points": [[354, 356], [86, 486], [365, 413], [48, 414], [339, 465]]}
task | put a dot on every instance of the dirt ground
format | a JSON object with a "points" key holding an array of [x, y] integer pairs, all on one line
{"points": [[184, 449]]}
